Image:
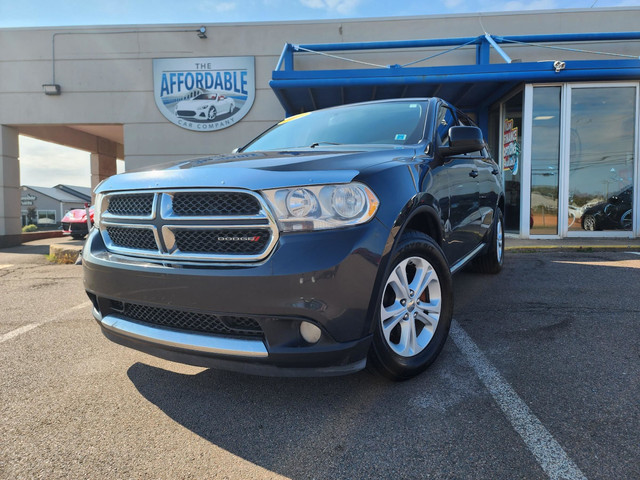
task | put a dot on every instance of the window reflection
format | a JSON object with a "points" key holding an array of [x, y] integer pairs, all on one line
{"points": [[601, 158], [545, 159]]}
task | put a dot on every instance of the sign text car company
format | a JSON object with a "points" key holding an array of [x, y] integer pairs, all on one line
{"points": [[204, 94]]}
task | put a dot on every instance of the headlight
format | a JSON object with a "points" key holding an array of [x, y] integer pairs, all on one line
{"points": [[97, 210], [322, 207]]}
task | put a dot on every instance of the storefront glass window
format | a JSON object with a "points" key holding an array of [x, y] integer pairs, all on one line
{"points": [[545, 161], [46, 217], [511, 160], [601, 158]]}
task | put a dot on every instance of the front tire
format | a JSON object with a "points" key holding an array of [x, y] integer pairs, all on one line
{"points": [[414, 312], [211, 114]]}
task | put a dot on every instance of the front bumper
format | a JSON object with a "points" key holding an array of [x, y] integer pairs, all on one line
{"points": [[75, 228], [325, 278]]}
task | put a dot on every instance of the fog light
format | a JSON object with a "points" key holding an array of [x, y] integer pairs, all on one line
{"points": [[310, 332]]}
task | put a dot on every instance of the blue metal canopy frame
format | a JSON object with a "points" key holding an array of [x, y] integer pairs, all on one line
{"points": [[472, 87]]}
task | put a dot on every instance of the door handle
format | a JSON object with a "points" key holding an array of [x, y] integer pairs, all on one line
{"points": [[473, 173], [495, 171]]}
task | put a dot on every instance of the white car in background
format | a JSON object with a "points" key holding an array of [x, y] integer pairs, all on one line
{"points": [[206, 106]]}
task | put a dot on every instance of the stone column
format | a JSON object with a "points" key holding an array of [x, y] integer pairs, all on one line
{"points": [[103, 162], [9, 183]]}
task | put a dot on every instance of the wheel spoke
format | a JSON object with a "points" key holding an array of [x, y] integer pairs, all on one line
{"points": [[408, 345], [392, 310], [430, 320], [424, 276], [398, 281]]}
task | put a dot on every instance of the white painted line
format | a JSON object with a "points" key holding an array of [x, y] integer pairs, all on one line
{"points": [[547, 451], [24, 329], [634, 253], [18, 331]]}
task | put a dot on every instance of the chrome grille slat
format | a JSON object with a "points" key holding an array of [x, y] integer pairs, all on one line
{"points": [[191, 225]]}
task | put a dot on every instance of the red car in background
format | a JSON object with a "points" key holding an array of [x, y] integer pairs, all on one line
{"points": [[75, 222]]}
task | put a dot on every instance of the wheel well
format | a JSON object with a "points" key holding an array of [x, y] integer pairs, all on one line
{"points": [[427, 224], [501, 204]]}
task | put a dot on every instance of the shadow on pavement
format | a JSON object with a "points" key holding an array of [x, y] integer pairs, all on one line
{"points": [[28, 249], [298, 427]]}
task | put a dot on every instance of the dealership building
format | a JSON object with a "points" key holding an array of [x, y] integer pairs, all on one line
{"points": [[556, 94]]}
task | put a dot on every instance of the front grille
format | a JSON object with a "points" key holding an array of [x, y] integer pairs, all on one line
{"points": [[223, 241], [192, 321], [135, 238], [186, 113], [131, 205], [215, 204], [215, 225]]}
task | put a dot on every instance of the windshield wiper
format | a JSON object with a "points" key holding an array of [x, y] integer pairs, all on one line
{"points": [[317, 144]]}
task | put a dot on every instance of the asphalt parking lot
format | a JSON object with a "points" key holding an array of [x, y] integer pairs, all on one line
{"points": [[539, 379]]}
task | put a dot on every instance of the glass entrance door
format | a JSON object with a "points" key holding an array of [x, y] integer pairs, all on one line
{"points": [[580, 174], [601, 158]]}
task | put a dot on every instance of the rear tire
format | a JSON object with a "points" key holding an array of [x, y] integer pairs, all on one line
{"points": [[589, 223], [78, 237], [492, 260], [414, 311]]}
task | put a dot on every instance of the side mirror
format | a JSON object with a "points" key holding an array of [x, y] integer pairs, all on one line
{"points": [[463, 139]]}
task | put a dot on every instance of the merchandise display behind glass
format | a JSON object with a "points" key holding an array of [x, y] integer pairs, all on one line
{"points": [[511, 160]]}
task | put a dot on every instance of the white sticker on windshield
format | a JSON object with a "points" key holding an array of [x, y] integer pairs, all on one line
{"points": [[401, 136], [413, 105]]}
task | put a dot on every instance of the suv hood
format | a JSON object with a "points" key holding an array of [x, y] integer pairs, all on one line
{"points": [[259, 170]]}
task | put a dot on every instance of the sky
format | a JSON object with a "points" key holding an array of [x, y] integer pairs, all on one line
{"points": [[33, 13], [45, 165]]}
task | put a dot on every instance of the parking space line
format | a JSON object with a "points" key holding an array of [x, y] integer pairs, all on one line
{"points": [[634, 253], [25, 328], [547, 451]]}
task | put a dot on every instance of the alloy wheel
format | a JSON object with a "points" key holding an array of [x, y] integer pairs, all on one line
{"points": [[411, 305]]}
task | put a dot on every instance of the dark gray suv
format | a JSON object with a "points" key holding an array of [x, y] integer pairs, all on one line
{"points": [[324, 245]]}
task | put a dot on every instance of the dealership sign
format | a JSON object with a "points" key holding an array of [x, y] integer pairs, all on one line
{"points": [[204, 94]]}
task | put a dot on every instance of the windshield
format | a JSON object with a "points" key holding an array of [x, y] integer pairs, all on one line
{"points": [[391, 123]]}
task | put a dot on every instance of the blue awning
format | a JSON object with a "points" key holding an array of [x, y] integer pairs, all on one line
{"points": [[470, 87]]}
